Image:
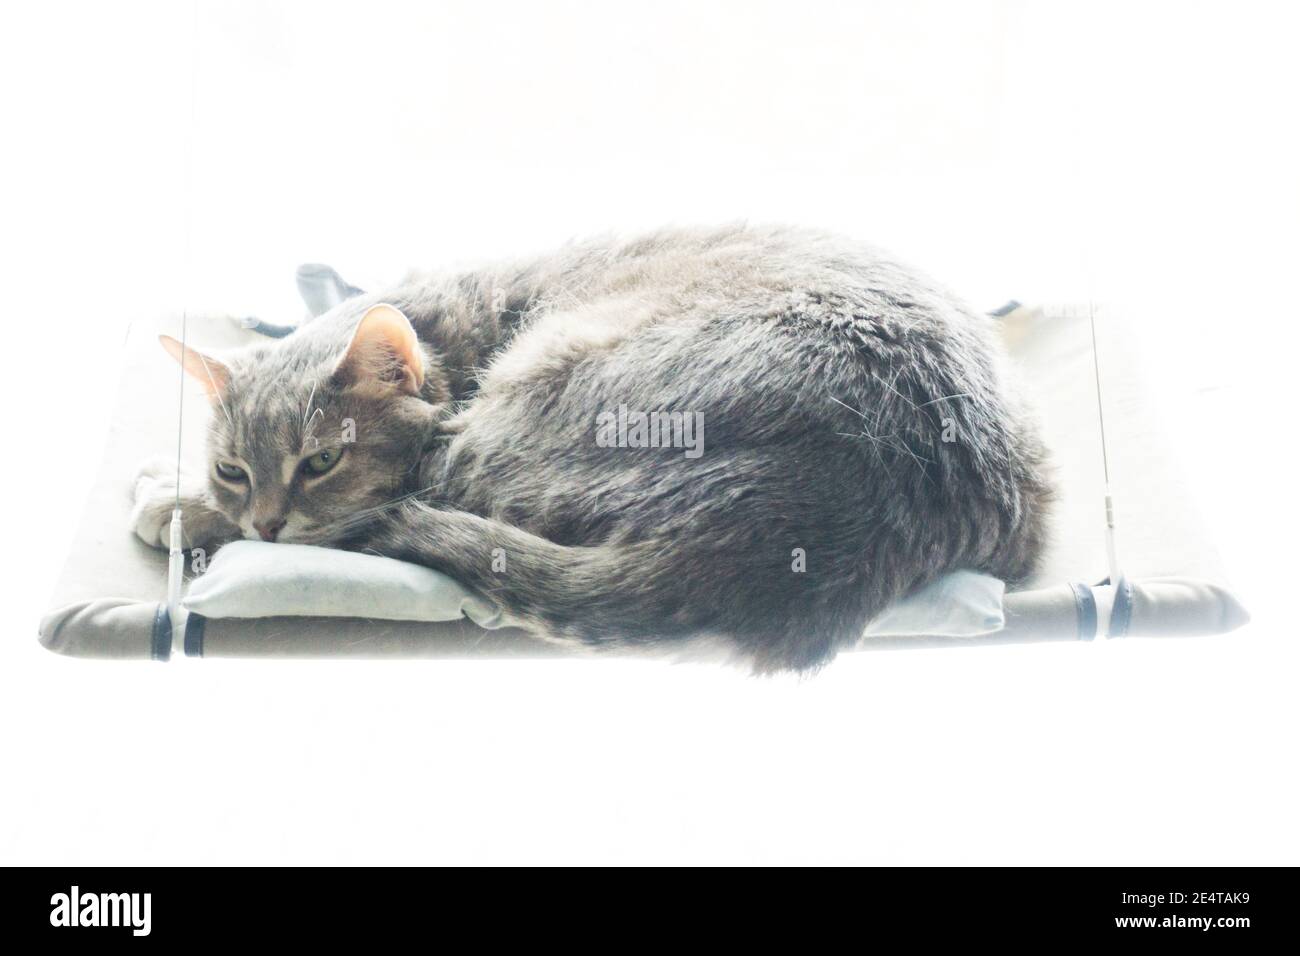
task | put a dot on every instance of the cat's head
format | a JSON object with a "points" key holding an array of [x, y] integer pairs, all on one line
{"points": [[311, 430]]}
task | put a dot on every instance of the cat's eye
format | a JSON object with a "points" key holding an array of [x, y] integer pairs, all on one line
{"points": [[322, 461], [231, 472]]}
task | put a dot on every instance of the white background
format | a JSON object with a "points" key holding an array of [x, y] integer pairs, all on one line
{"points": [[1139, 152]]}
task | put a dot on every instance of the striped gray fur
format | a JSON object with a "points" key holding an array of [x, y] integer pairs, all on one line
{"points": [[856, 418]]}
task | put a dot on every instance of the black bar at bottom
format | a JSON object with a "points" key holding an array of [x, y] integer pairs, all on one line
{"points": [[214, 906]]}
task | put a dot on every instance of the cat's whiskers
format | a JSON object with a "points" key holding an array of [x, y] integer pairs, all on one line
{"points": [[892, 440], [849, 407], [865, 430], [944, 398], [359, 518], [306, 415], [310, 428], [890, 386], [309, 419]]}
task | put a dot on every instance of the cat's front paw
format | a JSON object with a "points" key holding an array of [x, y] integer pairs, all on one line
{"points": [[153, 499], [153, 495]]}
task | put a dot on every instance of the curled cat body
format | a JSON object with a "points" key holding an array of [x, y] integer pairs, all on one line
{"points": [[762, 434]]}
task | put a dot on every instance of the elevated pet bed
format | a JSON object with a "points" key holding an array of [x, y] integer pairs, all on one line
{"points": [[256, 599]]}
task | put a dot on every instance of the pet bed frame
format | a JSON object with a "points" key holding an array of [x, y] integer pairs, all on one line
{"points": [[110, 600]]}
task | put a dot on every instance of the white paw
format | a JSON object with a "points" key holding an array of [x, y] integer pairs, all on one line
{"points": [[154, 496]]}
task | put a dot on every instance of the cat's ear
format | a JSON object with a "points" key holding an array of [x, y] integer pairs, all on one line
{"points": [[211, 374], [384, 351]]}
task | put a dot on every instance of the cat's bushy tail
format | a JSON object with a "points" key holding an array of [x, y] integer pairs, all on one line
{"points": [[630, 594]]}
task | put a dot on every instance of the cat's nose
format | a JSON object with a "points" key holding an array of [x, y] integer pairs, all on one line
{"points": [[269, 529]]}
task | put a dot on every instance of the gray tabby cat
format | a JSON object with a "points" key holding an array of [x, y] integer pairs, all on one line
{"points": [[858, 438]]}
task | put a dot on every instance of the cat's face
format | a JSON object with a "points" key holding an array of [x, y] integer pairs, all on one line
{"points": [[306, 435]]}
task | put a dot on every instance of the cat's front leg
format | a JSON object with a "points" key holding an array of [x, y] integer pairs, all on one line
{"points": [[154, 496]]}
